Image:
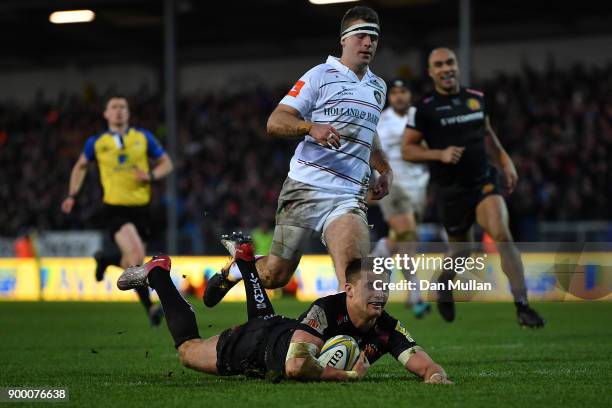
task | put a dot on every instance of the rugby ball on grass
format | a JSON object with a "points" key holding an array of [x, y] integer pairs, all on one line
{"points": [[340, 352]]}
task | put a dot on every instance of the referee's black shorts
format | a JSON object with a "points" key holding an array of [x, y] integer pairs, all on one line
{"points": [[115, 216], [457, 203]]}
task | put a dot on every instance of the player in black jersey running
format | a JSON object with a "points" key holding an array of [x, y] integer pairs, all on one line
{"points": [[460, 141], [273, 346]]}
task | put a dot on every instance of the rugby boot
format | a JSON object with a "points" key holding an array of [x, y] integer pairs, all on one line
{"points": [[527, 317], [136, 276], [239, 246]]}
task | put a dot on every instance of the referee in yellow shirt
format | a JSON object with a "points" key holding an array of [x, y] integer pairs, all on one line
{"points": [[122, 154]]}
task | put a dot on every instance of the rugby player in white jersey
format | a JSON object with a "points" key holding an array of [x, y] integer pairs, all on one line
{"points": [[335, 108], [408, 193]]}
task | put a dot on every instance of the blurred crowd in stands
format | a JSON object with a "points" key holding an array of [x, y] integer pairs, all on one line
{"points": [[556, 124]]}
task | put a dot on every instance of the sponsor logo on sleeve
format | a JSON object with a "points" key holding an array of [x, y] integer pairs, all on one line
{"points": [[297, 88], [316, 319], [399, 327]]}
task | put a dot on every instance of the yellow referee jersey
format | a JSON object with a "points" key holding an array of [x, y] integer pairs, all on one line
{"points": [[117, 156]]}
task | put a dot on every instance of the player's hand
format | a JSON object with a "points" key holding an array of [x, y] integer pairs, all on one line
{"points": [[67, 205], [362, 365], [381, 186], [510, 174], [325, 135], [141, 175], [452, 154], [439, 378]]}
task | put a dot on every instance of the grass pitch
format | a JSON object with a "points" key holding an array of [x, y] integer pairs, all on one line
{"points": [[107, 355]]}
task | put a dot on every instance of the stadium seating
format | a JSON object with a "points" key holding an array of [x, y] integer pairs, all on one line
{"points": [[230, 172]]}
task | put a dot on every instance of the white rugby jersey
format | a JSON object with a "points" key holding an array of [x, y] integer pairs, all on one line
{"points": [[331, 93], [410, 176]]}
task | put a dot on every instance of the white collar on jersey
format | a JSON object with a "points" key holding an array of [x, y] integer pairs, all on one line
{"points": [[335, 62]]}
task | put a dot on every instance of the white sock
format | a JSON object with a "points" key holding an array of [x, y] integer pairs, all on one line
{"points": [[381, 249], [234, 271]]}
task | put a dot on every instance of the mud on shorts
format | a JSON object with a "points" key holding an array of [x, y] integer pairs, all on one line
{"points": [[305, 211], [402, 201]]}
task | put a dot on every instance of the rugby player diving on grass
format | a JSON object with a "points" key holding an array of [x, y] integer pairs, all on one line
{"points": [[273, 346]]}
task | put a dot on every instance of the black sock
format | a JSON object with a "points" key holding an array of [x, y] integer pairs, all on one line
{"points": [[145, 298], [105, 258], [446, 275], [114, 258], [111, 256], [258, 303], [520, 297], [180, 317]]}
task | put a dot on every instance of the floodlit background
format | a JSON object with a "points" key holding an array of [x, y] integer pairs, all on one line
{"points": [[204, 77]]}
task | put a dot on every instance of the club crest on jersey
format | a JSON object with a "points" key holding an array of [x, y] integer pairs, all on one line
{"points": [[378, 96], [372, 352], [473, 104], [487, 188]]}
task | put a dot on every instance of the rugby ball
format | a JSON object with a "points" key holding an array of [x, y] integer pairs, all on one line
{"points": [[340, 352]]}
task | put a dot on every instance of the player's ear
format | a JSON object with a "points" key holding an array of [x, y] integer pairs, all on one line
{"points": [[349, 289]]}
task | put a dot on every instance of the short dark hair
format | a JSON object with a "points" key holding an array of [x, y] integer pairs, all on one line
{"points": [[364, 13], [361, 267], [353, 271], [398, 83], [115, 96]]}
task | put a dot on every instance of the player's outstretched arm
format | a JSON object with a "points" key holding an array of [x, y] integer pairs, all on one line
{"points": [[413, 150], [285, 122], [357, 373], [422, 365], [301, 362], [79, 170]]}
